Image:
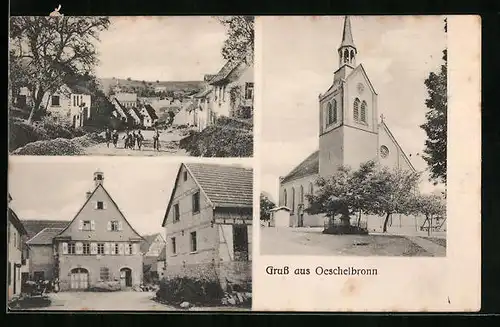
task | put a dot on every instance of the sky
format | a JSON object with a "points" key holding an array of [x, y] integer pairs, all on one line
{"points": [[182, 48], [55, 189], [298, 59]]}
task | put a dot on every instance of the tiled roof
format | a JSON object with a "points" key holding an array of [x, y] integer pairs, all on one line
{"points": [[125, 110], [136, 111], [45, 236], [225, 186], [151, 111], [310, 166], [79, 89], [148, 240], [33, 227], [203, 93], [224, 72]]}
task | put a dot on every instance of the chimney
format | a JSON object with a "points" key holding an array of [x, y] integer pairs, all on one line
{"points": [[88, 194]]}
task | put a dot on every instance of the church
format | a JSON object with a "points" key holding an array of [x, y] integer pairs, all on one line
{"points": [[350, 133]]}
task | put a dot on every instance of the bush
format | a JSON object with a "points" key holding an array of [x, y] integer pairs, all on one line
{"points": [[22, 133], [246, 124], [346, 230], [57, 147], [219, 141], [193, 290], [108, 286]]}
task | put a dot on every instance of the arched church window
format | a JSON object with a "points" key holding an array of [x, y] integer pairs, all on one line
{"points": [[285, 200], [301, 195], [329, 120], [356, 109], [293, 200], [363, 112], [352, 55], [311, 188], [334, 108], [346, 56]]}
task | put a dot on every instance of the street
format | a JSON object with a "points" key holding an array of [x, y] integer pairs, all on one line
{"points": [[169, 145], [311, 241], [116, 301]]}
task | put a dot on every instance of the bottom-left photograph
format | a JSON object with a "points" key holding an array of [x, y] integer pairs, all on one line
{"points": [[129, 235]]}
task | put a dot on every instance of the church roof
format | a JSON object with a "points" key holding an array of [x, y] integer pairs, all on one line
{"points": [[310, 166], [347, 34]]}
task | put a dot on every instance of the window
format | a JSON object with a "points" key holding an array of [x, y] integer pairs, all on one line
{"points": [[115, 226], [86, 248], [130, 248], [352, 54], [301, 194], [334, 108], [185, 176], [39, 275], [99, 177], [87, 225], [100, 248], [196, 202], [363, 112], [74, 100], [15, 238], [311, 188], [248, 91], [176, 212], [356, 110], [194, 246], [100, 205], [56, 101], [293, 199], [104, 273], [329, 112], [285, 200], [240, 242], [8, 273], [174, 245], [117, 248], [71, 248]]}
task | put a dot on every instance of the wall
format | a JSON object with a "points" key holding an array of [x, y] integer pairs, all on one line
{"points": [[308, 220], [14, 257], [359, 146], [331, 151], [200, 223], [281, 218], [69, 110], [42, 259], [396, 157], [94, 263]]}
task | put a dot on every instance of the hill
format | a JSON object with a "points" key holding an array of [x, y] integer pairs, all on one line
{"points": [[170, 86]]}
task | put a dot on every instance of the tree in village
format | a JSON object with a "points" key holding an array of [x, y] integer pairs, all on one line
{"points": [[239, 43], [432, 206], [265, 206], [436, 121], [391, 191], [45, 50], [344, 193]]}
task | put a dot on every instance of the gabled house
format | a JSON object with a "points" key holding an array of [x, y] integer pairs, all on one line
{"points": [[208, 223], [16, 257], [149, 115], [99, 244], [151, 248], [136, 115], [128, 100], [121, 112], [233, 89], [203, 109]]}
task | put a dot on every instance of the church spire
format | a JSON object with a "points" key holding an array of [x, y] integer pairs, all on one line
{"points": [[347, 50]]}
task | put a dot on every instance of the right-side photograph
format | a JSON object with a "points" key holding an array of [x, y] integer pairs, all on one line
{"points": [[354, 128]]}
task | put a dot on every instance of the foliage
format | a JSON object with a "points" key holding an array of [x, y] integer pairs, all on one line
{"points": [[219, 141], [436, 122], [245, 124], [45, 50], [193, 290], [265, 206], [239, 44], [57, 147], [430, 205], [106, 286]]}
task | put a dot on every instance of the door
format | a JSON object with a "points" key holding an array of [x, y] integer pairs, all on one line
{"points": [[24, 278], [125, 277], [79, 279]]}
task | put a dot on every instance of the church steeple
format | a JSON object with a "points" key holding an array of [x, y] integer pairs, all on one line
{"points": [[347, 50]]}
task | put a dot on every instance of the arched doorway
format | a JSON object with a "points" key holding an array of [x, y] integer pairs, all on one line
{"points": [[126, 277], [79, 279]]}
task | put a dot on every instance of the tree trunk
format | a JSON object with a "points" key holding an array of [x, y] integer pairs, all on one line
{"points": [[430, 227], [36, 105], [359, 218], [384, 229]]}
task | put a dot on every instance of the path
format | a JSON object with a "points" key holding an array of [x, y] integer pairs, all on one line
{"points": [[435, 249], [169, 145]]}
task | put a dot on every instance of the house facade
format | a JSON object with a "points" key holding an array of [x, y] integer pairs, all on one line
{"points": [[69, 104], [149, 117], [233, 90], [128, 100], [208, 224], [151, 249], [99, 244], [350, 133], [16, 258]]}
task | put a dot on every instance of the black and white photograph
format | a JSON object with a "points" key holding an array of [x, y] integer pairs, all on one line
{"points": [[129, 236], [355, 135], [131, 86]]}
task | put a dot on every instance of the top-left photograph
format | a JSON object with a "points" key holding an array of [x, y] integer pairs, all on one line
{"points": [[131, 86]]}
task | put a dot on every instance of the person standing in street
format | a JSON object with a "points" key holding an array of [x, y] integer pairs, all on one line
{"points": [[115, 138], [108, 136], [156, 140], [140, 138]]}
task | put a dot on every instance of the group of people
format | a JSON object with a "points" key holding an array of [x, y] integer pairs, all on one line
{"points": [[133, 140]]}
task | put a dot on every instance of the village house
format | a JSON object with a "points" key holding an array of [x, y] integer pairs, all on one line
{"points": [[160, 88], [349, 134], [121, 112], [128, 100], [151, 248], [208, 223], [233, 90], [136, 116], [41, 263], [203, 112], [149, 117], [69, 104], [16, 255], [99, 244], [280, 217], [162, 262]]}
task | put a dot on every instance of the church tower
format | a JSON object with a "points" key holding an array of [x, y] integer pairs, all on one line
{"points": [[348, 132]]}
